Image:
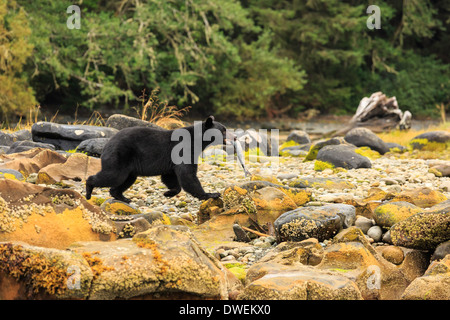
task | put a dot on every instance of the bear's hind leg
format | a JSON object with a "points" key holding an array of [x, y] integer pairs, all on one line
{"points": [[104, 179], [117, 192], [171, 182]]}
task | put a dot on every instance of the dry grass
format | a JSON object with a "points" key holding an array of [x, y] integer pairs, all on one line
{"points": [[152, 110], [160, 113], [403, 137]]}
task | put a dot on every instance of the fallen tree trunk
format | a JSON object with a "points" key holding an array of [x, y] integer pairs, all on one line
{"points": [[378, 113]]}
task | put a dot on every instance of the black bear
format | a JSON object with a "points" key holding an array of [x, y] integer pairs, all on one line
{"points": [[143, 151]]}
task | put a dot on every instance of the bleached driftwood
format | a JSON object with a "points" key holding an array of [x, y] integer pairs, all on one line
{"points": [[378, 113]]}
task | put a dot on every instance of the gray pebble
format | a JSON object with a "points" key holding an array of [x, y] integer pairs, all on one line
{"points": [[364, 224], [375, 233]]}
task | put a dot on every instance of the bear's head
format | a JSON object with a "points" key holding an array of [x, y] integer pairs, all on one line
{"points": [[216, 132]]}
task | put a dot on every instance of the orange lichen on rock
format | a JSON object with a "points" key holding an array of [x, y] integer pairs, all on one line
{"points": [[96, 264], [52, 230], [153, 246], [299, 197], [38, 272]]}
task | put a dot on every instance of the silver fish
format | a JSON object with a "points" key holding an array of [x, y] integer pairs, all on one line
{"points": [[240, 156]]}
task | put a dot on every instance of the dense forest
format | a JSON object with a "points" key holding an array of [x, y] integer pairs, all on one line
{"points": [[233, 58]]}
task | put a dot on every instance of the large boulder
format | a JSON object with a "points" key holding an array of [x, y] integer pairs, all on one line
{"points": [[92, 147], [321, 222], [431, 140], [263, 195], [33, 272], [8, 138], [77, 167], [26, 145], [121, 121], [165, 262], [343, 156], [299, 136], [351, 255], [424, 230], [32, 161], [11, 174], [298, 282], [433, 285], [314, 149], [162, 262], [388, 214], [363, 137], [68, 137], [263, 201]]}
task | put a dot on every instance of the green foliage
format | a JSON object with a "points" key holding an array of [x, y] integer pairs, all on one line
{"points": [[16, 97], [244, 59]]}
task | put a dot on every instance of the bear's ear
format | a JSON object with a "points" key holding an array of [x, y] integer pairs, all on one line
{"points": [[209, 121]]}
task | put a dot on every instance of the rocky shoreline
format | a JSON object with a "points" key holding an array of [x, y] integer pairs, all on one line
{"points": [[310, 225]]}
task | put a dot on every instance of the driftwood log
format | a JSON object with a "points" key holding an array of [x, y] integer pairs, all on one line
{"points": [[378, 113]]}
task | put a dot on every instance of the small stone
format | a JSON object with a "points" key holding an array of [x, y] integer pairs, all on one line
{"points": [[441, 251], [390, 182], [364, 224], [375, 233], [393, 254], [228, 258], [181, 204], [241, 235]]}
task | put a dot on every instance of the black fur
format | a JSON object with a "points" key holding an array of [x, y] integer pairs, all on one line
{"points": [[143, 151]]}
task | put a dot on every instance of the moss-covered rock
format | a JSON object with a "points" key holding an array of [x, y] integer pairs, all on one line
{"points": [[431, 141], [363, 137], [30, 272], [270, 203], [263, 201], [116, 207], [322, 165], [421, 197], [424, 230], [208, 209], [343, 156], [314, 149], [352, 255], [368, 153], [388, 214], [318, 182]]}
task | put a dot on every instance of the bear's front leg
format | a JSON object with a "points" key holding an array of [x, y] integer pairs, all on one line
{"points": [[187, 177]]}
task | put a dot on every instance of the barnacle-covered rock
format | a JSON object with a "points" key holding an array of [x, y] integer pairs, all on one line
{"points": [[30, 272], [162, 262], [424, 230], [49, 217], [321, 222]]}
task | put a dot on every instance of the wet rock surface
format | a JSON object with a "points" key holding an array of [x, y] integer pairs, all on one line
{"points": [[295, 230]]}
